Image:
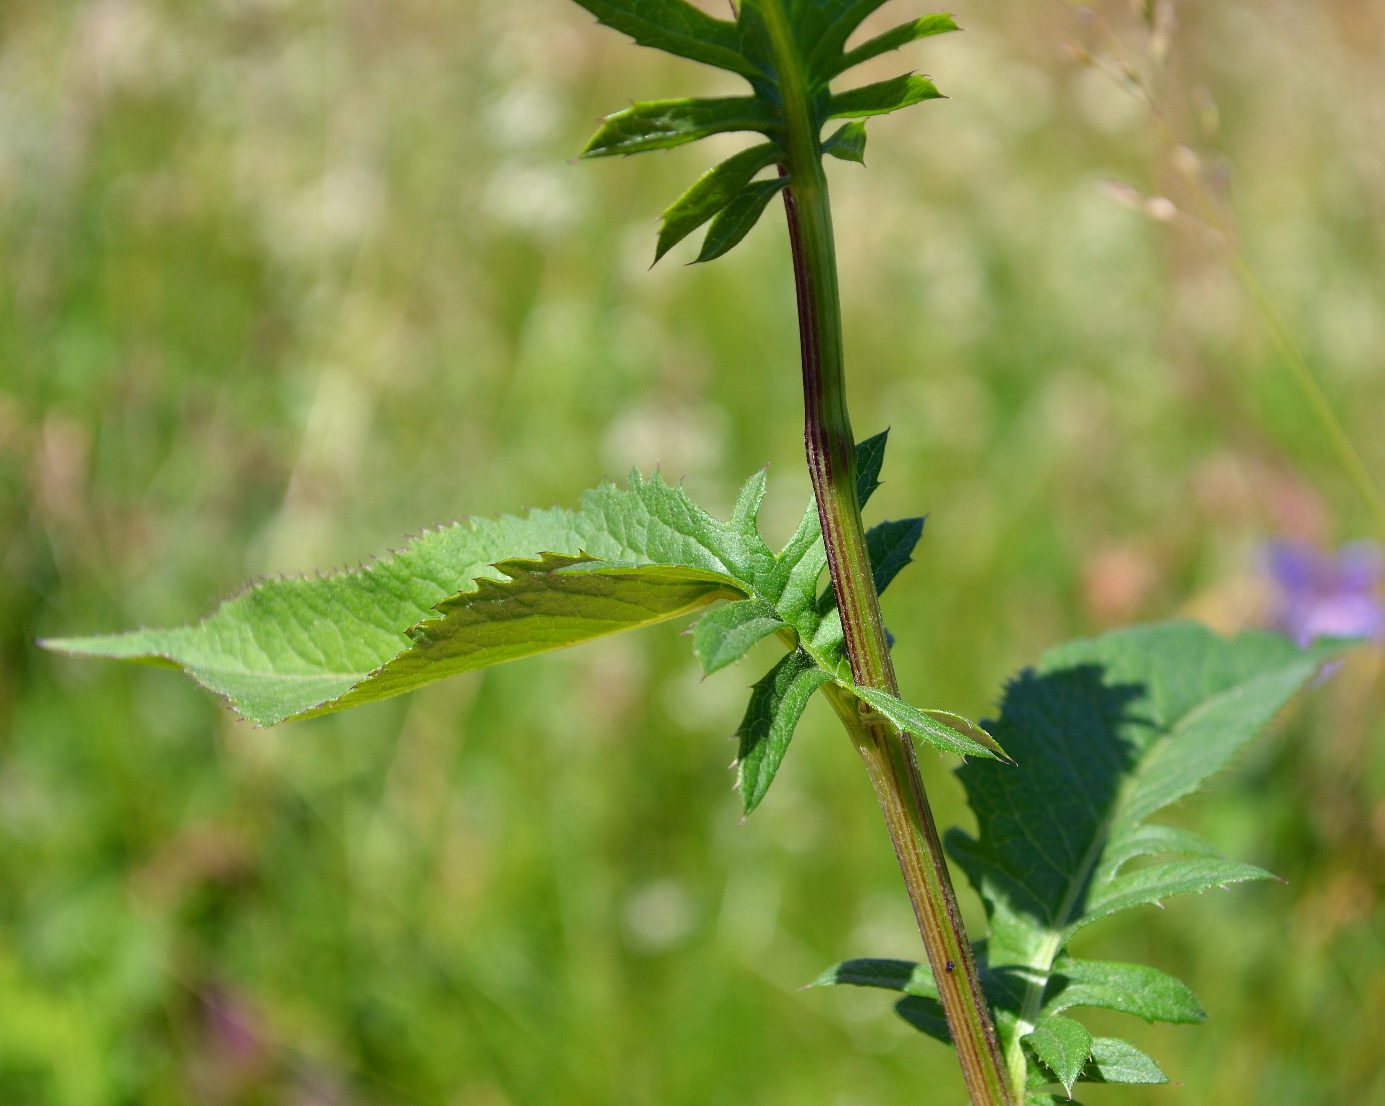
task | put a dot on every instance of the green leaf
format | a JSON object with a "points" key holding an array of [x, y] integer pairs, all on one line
{"points": [[1129, 988], [1064, 1046], [935, 24], [848, 143], [1105, 733], [675, 27], [723, 636], [926, 1015], [1117, 1061], [737, 217], [891, 545], [663, 124], [290, 648], [777, 703], [710, 193], [940, 728], [870, 458], [1149, 886], [1153, 840], [882, 97], [823, 27], [891, 975]]}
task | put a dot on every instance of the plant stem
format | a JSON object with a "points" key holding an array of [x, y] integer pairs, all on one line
{"points": [[831, 449]]}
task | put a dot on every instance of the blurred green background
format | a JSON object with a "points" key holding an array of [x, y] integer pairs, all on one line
{"points": [[285, 280]]}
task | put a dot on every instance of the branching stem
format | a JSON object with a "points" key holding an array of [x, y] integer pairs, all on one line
{"points": [[890, 758]]}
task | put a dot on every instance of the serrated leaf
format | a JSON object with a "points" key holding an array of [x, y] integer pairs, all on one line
{"points": [[822, 29], [1033, 1098], [1129, 988], [289, 648], [663, 124], [1117, 1061], [891, 975], [777, 703], [942, 729], [1153, 840], [1106, 732], [882, 97], [936, 24], [737, 218], [848, 143], [723, 636], [870, 459], [710, 193], [1064, 1046], [675, 27], [891, 545], [1148, 886]]}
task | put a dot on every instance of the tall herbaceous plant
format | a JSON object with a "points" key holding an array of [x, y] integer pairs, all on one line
{"points": [[1090, 744]]}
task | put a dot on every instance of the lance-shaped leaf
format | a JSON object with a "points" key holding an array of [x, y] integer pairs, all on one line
{"points": [[737, 218], [1129, 988], [848, 142], [870, 459], [891, 546], [777, 703], [710, 193], [935, 24], [676, 27], [290, 648], [822, 29], [892, 975], [663, 124], [942, 729], [1064, 1046], [1105, 733], [882, 97], [547, 604]]}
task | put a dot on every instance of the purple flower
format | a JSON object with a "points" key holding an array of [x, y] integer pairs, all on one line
{"points": [[1326, 594]]}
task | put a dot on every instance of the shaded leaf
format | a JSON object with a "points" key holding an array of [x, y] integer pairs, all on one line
{"points": [[848, 142], [935, 24], [676, 27], [882, 97], [870, 458], [926, 1015], [738, 217], [891, 975], [710, 193], [891, 545], [777, 703], [663, 124], [1064, 1046], [1105, 732]]}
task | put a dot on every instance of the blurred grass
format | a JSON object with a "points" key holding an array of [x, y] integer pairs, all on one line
{"points": [[284, 281]]}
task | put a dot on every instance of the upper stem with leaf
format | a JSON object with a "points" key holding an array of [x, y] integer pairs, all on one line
{"points": [[792, 54]]}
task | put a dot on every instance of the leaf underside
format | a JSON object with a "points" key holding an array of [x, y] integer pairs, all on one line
{"points": [[1105, 733], [486, 591], [728, 196]]}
